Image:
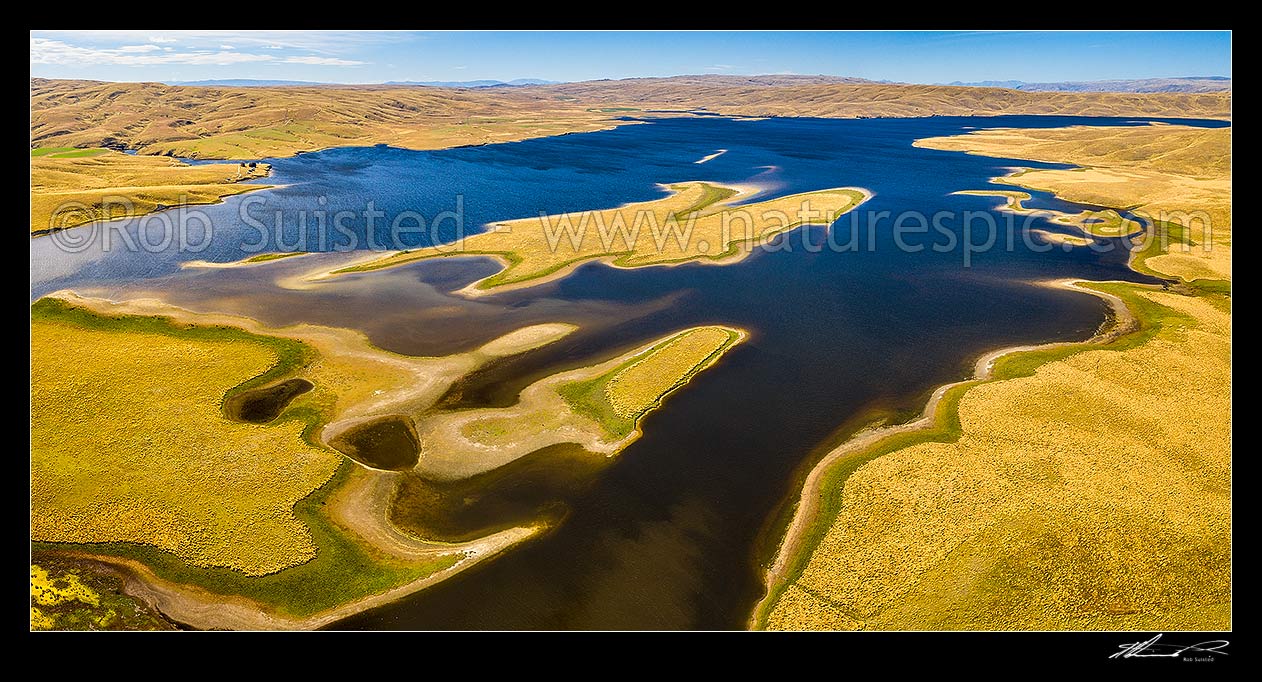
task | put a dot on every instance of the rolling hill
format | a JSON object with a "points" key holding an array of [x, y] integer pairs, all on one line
{"points": [[256, 122]]}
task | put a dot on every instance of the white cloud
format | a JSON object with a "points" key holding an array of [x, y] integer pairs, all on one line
{"points": [[45, 51], [322, 61], [211, 48], [322, 42], [719, 67]]}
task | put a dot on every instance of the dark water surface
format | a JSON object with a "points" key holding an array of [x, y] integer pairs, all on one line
{"points": [[262, 405], [667, 535]]}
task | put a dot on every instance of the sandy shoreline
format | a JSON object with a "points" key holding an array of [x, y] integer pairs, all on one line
{"points": [[360, 504], [808, 500], [205, 610], [743, 249], [247, 262]]}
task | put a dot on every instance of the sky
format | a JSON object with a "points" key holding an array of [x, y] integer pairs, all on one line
{"points": [[379, 56]]}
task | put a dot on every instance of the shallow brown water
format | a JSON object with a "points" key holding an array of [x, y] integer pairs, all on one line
{"points": [[385, 443], [262, 405]]}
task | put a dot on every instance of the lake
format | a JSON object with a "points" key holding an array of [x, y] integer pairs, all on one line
{"points": [[671, 533]]}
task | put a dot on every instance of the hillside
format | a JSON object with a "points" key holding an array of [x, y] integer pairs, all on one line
{"points": [[1193, 84], [848, 100], [254, 122]]}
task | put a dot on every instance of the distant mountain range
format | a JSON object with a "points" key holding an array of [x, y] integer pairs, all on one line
{"points": [[474, 84], [242, 83], [258, 83], [1189, 84]]}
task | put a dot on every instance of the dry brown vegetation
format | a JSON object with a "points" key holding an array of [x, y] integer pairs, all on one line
{"points": [[695, 222], [596, 407], [128, 444], [67, 191], [252, 123], [1171, 174], [134, 448], [238, 123], [740, 96], [1093, 492], [634, 390]]}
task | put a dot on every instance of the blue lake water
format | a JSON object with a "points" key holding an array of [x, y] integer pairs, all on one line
{"points": [[669, 535]]}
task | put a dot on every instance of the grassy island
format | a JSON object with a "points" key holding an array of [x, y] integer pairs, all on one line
{"points": [[696, 222]]}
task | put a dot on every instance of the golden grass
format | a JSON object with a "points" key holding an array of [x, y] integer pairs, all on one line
{"points": [[1094, 494], [1105, 223], [257, 122], [1183, 150], [634, 389], [765, 97], [128, 444], [1173, 174], [73, 190], [596, 407], [254, 123], [696, 222], [175, 451]]}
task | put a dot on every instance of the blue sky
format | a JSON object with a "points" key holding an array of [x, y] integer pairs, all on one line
{"points": [[376, 56]]}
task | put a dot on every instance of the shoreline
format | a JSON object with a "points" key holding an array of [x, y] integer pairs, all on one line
{"points": [[356, 504], [737, 252], [101, 221], [544, 394], [1121, 322], [242, 183], [248, 262], [203, 609]]}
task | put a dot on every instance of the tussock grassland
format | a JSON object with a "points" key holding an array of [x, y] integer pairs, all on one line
{"points": [[1084, 488], [1091, 494], [258, 122], [619, 397], [230, 524], [597, 407], [226, 524], [1106, 223], [72, 188], [694, 223], [128, 444], [635, 389], [1177, 176], [767, 96], [255, 123]]}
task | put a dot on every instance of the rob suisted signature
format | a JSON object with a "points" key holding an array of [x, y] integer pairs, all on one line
{"points": [[1153, 648]]}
